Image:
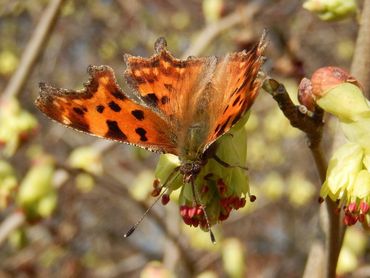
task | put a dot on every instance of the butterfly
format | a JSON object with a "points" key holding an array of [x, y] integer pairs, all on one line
{"points": [[175, 106]]}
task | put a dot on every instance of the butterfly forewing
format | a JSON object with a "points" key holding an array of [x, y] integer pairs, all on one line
{"points": [[235, 86], [102, 109]]}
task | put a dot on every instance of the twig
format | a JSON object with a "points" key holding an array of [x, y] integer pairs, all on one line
{"points": [[112, 185], [11, 223], [211, 31], [360, 67], [33, 49], [312, 126]]}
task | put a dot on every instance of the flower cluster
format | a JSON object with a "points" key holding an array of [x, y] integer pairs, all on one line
{"points": [[348, 174], [16, 125], [217, 189]]}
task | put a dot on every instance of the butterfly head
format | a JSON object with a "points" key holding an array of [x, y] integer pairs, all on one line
{"points": [[191, 169]]}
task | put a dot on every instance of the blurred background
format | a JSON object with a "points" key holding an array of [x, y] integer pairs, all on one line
{"points": [[67, 198]]}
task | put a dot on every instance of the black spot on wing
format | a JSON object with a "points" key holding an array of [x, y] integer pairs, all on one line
{"points": [[165, 99], [138, 114], [114, 106], [100, 108], [78, 123], [118, 95], [114, 131], [236, 101], [236, 119], [223, 127], [151, 99], [141, 132], [78, 110]]}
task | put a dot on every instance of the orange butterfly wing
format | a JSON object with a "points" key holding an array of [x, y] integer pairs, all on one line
{"points": [[102, 109], [167, 84], [236, 86]]}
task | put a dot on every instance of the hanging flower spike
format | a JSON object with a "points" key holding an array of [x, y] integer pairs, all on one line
{"points": [[348, 176]]}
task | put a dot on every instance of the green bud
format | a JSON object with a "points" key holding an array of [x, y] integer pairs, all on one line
{"points": [[330, 10], [85, 182], [212, 9], [342, 172], [346, 102], [142, 185], [37, 185], [15, 125], [46, 205], [8, 183], [86, 158], [233, 258], [18, 239]]}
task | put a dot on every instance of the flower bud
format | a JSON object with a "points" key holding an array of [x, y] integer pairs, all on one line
{"points": [[16, 125], [87, 159], [342, 172], [330, 10], [8, 184], [327, 78], [346, 102], [233, 258], [36, 195], [305, 96]]}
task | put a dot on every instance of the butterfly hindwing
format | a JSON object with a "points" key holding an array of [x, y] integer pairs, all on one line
{"points": [[102, 109]]}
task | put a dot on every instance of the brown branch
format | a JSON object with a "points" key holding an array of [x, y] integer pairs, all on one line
{"points": [[34, 48], [360, 67], [312, 124], [111, 184], [12, 222], [211, 31]]}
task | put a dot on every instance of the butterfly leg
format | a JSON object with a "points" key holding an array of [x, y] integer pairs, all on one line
{"points": [[227, 165]]}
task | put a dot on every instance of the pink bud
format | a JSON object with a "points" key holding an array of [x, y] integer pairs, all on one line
{"points": [[329, 77], [192, 212], [184, 211], [352, 207], [305, 96], [364, 207], [165, 199]]}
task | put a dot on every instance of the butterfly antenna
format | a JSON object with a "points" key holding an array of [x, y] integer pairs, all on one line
{"points": [[133, 228], [169, 178], [197, 200]]}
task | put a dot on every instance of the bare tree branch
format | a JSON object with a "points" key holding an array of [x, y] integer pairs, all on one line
{"points": [[34, 48], [361, 60]]}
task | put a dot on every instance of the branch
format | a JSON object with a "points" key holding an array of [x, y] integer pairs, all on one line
{"points": [[312, 124], [34, 48], [360, 67], [11, 223], [211, 31]]}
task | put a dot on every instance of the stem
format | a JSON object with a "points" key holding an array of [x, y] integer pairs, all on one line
{"points": [[311, 123], [361, 60], [11, 223], [34, 49], [334, 233]]}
